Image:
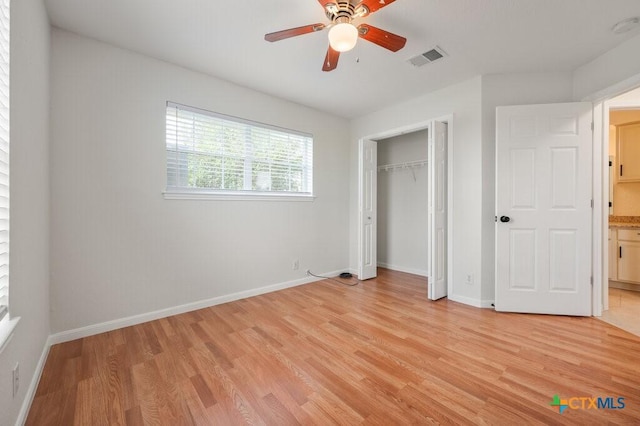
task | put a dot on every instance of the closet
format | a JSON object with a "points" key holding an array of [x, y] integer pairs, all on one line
{"points": [[402, 229]]}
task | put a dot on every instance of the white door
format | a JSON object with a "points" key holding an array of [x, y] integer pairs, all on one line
{"points": [[437, 172], [543, 208], [368, 190]]}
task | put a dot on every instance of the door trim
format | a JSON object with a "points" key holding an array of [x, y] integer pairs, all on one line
{"points": [[410, 128]]}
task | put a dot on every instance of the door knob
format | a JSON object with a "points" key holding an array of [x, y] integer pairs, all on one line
{"points": [[505, 219]]}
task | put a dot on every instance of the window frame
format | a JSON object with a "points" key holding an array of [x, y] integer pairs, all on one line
{"points": [[196, 193], [7, 321]]}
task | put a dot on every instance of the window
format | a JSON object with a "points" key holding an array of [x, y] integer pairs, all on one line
{"points": [[4, 160], [212, 154]]}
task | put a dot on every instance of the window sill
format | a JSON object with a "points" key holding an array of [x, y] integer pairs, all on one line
{"points": [[7, 326], [234, 196]]}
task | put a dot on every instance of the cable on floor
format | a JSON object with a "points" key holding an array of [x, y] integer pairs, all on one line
{"points": [[334, 279]]}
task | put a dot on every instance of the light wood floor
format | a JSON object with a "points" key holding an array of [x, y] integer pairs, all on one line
{"points": [[324, 353]]}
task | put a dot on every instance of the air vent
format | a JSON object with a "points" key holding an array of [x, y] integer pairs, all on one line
{"points": [[427, 57]]}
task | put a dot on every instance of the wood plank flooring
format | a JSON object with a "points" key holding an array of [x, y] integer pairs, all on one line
{"points": [[325, 353]]}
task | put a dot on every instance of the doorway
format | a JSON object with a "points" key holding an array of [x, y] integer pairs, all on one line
{"points": [[438, 168], [621, 250], [403, 203], [599, 107]]}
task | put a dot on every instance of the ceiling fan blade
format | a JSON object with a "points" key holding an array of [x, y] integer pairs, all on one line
{"points": [[292, 32], [331, 60], [324, 3], [382, 38], [373, 5]]}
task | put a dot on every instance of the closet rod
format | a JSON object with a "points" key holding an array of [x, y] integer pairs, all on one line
{"points": [[407, 165]]}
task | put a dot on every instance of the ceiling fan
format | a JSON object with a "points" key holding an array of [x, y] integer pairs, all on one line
{"points": [[343, 34]]}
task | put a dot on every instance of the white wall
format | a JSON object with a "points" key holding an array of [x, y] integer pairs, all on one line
{"points": [[463, 100], [403, 204], [608, 70], [503, 90], [630, 97], [120, 249], [29, 286]]}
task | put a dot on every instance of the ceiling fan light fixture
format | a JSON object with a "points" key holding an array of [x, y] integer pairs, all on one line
{"points": [[343, 34], [343, 37]]}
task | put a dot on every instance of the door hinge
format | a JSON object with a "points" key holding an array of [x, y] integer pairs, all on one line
{"points": [[610, 163], [620, 169], [592, 126], [495, 218], [592, 203], [591, 280]]}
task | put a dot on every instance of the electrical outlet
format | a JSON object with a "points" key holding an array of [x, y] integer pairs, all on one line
{"points": [[16, 379], [469, 279], [296, 265]]}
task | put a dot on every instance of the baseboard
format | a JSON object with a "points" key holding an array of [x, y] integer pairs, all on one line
{"points": [[624, 286], [90, 330], [470, 301], [488, 304], [33, 385], [414, 271]]}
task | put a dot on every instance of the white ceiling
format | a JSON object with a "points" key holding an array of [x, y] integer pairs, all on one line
{"points": [[226, 39]]}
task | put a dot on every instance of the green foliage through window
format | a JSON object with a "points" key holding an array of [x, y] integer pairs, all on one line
{"points": [[212, 152]]}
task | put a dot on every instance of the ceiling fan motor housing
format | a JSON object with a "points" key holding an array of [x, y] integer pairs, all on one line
{"points": [[345, 11]]}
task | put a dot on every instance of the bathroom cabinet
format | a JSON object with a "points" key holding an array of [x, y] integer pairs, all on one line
{"points": [[629, 152], [628, 255]]}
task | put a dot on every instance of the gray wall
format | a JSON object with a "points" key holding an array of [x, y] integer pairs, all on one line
{"points": [[618, 65], [118, 247], [29, 282]]}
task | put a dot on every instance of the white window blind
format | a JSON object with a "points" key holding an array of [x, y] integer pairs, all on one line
{"points": [[210, 152], [4, 158]]}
